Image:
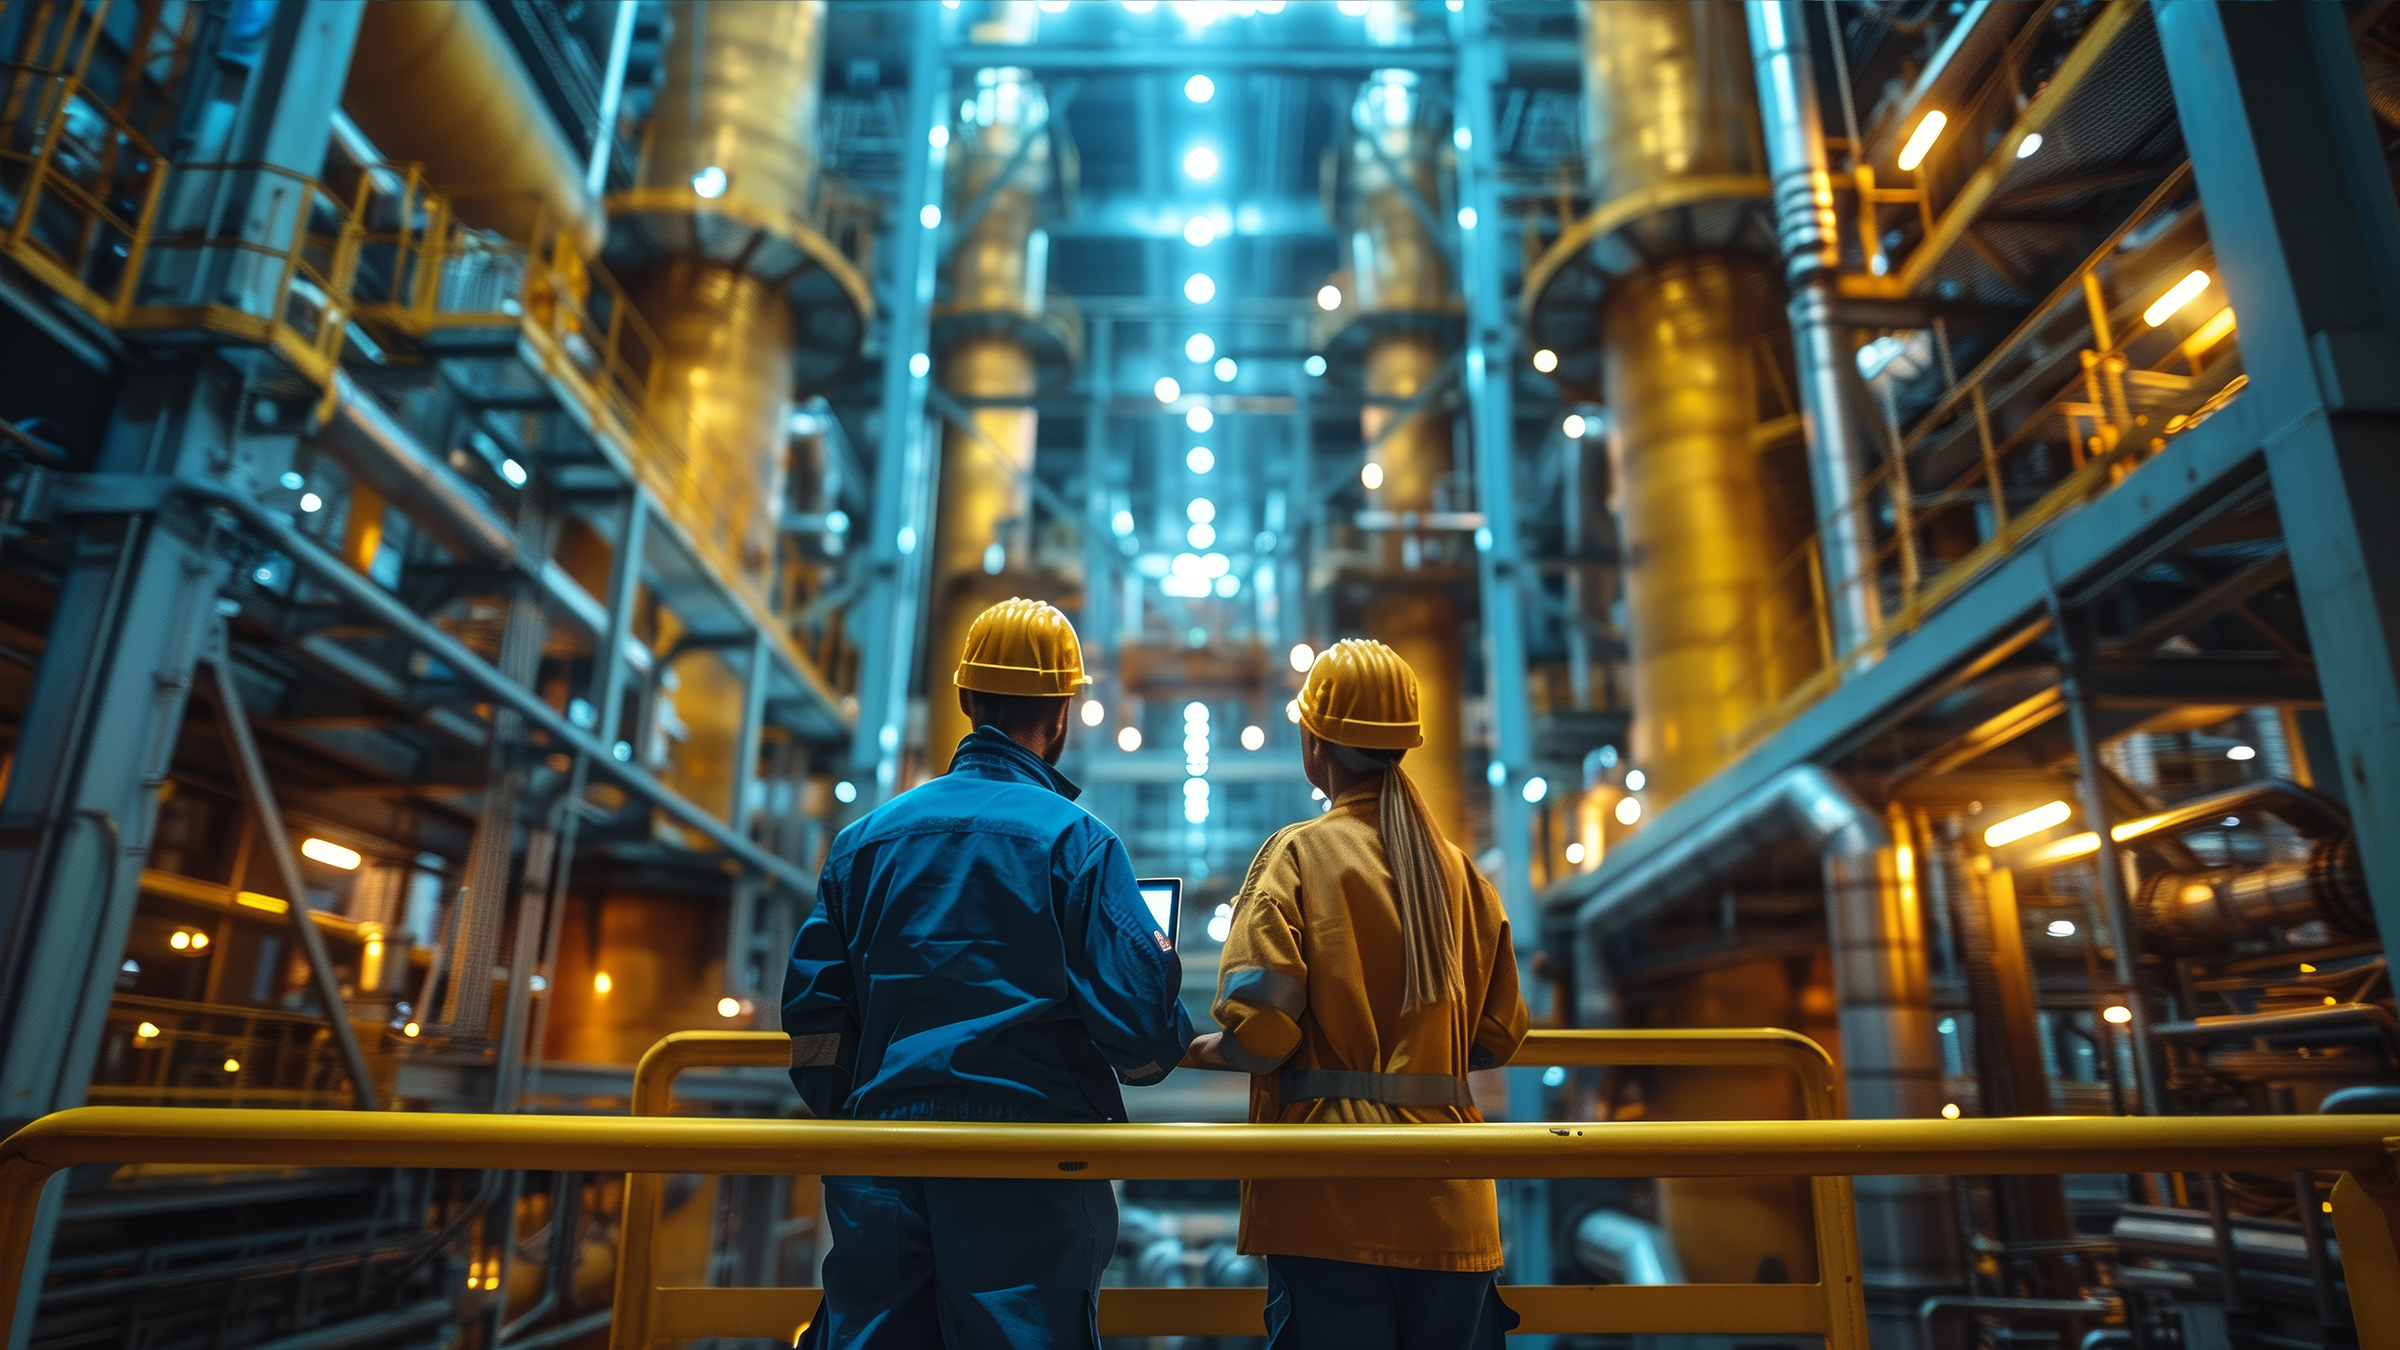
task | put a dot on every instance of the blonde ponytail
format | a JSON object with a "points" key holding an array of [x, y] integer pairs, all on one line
{"points": [[1428, 940]]}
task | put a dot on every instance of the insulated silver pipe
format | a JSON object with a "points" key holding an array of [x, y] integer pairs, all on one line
{"points": [[1823, 350], [1891, 1057]]}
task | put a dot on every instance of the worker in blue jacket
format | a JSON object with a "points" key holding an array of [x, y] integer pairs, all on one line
{"points": [[979, 952]]}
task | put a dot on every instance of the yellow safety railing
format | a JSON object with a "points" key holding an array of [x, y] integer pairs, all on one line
{"points": [[649, 1315], [2366, 1203], [1916, 530]]}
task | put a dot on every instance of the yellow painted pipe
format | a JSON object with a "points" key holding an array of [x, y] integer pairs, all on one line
{"points": [[436, 82], [1717, 635]]}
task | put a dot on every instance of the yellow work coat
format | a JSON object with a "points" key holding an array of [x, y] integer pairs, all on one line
{"points": [[1308, 992]]}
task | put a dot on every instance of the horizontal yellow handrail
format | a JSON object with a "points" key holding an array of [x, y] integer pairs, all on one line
{"points": [[2367, 1207]]}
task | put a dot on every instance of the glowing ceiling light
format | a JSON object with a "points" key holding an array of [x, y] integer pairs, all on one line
{"points": [[2030, 146], [729, 1006], [2176, 298], [919, 365], [1199, 419], [1167, 390], [1573, 426], [331, 854], [1329, 298], [1201, 459], [1466, 217], [1545, 360], [1353, 8], [513, 472], [930, 216], [1950, 1111], [1140, 6], [1199, 347], [147, 1031], [845, 792], [2241, 752], [1291, 713], [938, 137], [2117, 1014], [1921, 140], [1226, 369], [1629, 810], [1121, 522], [1575, 853], [232, 1065], [1199, 289], [710, 182], [1200, 164], [2061, 928], [1371, 475], [1636, 780], [1303, 656], [1129, 739], [1201, 536], [1201, 511], [1199, 89], [1254, 737], [1463, 139], [1536, 788], [1314, 365], [1199, 231], [601, 984], [1093, 712], [2034, 821]]}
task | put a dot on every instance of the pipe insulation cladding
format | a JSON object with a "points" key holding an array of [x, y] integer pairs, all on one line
{"points": [[437, 83]]}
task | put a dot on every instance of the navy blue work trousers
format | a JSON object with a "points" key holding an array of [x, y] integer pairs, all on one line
{"points": [[1317, 1304], [953, 1263]]}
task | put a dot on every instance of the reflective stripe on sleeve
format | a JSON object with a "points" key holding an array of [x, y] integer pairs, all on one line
{"points": [[1267, 988]]}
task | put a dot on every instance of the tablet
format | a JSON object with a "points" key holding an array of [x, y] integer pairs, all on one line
{"points": [[1163, 897]]}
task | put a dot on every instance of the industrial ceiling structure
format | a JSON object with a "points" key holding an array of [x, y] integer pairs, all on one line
{"points": [[1887, 501]]}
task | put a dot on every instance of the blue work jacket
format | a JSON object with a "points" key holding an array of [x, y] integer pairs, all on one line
{"points": [[979, 951]]}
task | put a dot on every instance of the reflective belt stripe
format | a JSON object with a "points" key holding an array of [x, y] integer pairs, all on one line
{"points": [[1392, 1089], [815, 1052]]}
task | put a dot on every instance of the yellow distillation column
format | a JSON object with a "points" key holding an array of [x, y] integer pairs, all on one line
{"points": [[1406, 300], [982, 529], [1671, 116]]}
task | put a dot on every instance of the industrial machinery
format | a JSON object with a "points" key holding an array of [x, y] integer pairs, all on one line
{"points": [[1884, 499]]}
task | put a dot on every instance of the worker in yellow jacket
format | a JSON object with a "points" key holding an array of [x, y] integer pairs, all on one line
{"points": [[1367, 969]]}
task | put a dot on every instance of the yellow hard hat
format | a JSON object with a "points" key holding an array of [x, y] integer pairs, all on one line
{"points": [[1360, 693], [1021, 647]]}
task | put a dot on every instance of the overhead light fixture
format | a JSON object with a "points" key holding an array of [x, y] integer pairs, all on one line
{"points": [[1167, 390], [601, 984], [1199, 231], [1545, 360], [1046, 7], [1629, 810], [1093, 712], [1202, 536], [1201, 459], [1200, 164], [513, 472], [1199, 419], [1314, 365], [845, 792], [1140, 6], [1636, 780], [2027, 148], [710, 182], [1466, 217], [2030, 822], [729, 1006], [1920, 142], [1950, 1111], [331, 854], [1575, 853], [930, 216], [1291, 711], [2241, 752], [311, 502], [1199, 289], [1254, 737], [1303, 656], [1352, 8], [1201, 511], [1463, 138], [1573, 426], [938, 137], [1536, 788], [1371, 475], [1226, 369], [919, 364], [2177, 296], [1199, 89], [1129, 739], [2117, 1014], [1199, 347], [1329, 298], [2061, 928]]}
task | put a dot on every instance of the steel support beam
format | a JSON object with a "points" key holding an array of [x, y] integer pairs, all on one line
{"points": [[2301, 215], [902, 537], [1488, 370], [234, 720]]}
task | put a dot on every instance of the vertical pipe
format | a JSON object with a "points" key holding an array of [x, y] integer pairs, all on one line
{"points": [[612, 93], [1824, 351]]}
